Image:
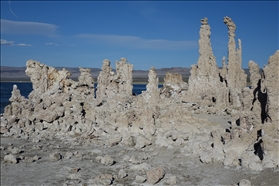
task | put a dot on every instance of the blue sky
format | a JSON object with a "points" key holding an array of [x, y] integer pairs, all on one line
{"points": [[150, 33]]}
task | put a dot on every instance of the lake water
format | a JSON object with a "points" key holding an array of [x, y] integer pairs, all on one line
{"points": [[26, 87]]}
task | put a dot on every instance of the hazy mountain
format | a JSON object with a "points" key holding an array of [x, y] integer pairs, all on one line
{"points": [[18, 73]]}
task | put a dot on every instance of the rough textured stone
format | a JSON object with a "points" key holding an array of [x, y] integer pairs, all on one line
{"points": [[204, 83], [10, 159], [244, 182], [155, 175], [111, 84], [236, 76], [171, 180], [122, 173], [107, 160], [151, 95], [140, 179], [173, 85], [55, 156]]}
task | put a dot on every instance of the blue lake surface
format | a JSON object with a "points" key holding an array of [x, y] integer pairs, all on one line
{"points": [[26, 87]]}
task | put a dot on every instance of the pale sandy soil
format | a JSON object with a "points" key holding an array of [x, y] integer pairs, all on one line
{"points": [[188, 170]]}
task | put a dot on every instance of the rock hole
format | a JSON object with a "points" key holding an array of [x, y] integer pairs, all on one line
{"points": [[259, 149], [237, 122], [222, 140], [221, 78], [100, 104], [213, 99], [259, 134], [239, 162]]}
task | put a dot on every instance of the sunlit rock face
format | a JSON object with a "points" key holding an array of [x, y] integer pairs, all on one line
{"points": [[111, 84], [205, 86], [236, 76], [173, 86]]}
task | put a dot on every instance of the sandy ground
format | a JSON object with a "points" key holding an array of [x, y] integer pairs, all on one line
{"points": [[79, 164]]}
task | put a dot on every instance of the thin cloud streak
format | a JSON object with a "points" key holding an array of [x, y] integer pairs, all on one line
{"points": [[23, 44], [138, 42], [55, 44], [7, 43], [12, 43], [30, 28]]}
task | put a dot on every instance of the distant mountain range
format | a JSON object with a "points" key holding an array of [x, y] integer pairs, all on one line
{"points": [[18, 73]]}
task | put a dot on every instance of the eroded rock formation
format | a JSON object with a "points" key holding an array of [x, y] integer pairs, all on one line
{"points": [[173, 85], [236, 76], [111, 84], [205, 85], [172, 116]]}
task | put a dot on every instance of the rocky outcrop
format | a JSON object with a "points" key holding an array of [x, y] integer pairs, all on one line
{"points": [[173, 86], [257, 126], [270, 82], [152, 94], [205, 86], [111, 84], [167, 117], [236, 76]]}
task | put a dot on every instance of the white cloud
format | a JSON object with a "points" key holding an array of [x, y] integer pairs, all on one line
{"points": [[52, 44], [23, 44], [12, 43], [7, 43], [21, 27], [138, 42]]}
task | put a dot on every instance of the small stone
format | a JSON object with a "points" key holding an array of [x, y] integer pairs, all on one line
{"points": [[35, 158], [134, 160], [107, 160], [122, 173], [140, 179], [78, 154], [98, 158], [95, 151], [126, 158], [55, 156], [143, 156], [244, 182], [10, 159], [171, 180], [68, 155], [35, 140], [142, 142], [15, 150], [37, 147], [114, 141], [155, 175], [74, 170], [103, 179]]}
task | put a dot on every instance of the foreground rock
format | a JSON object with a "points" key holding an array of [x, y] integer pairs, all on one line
{"points": [[155, 175]]}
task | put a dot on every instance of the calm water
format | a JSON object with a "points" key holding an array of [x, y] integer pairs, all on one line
{"points": [[26, 87]]}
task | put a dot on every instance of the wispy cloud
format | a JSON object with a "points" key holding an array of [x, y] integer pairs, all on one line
{"points": [[21, 27], [138, 42], [55, 44], [23, 44], [12, 43], [7, 43]]}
